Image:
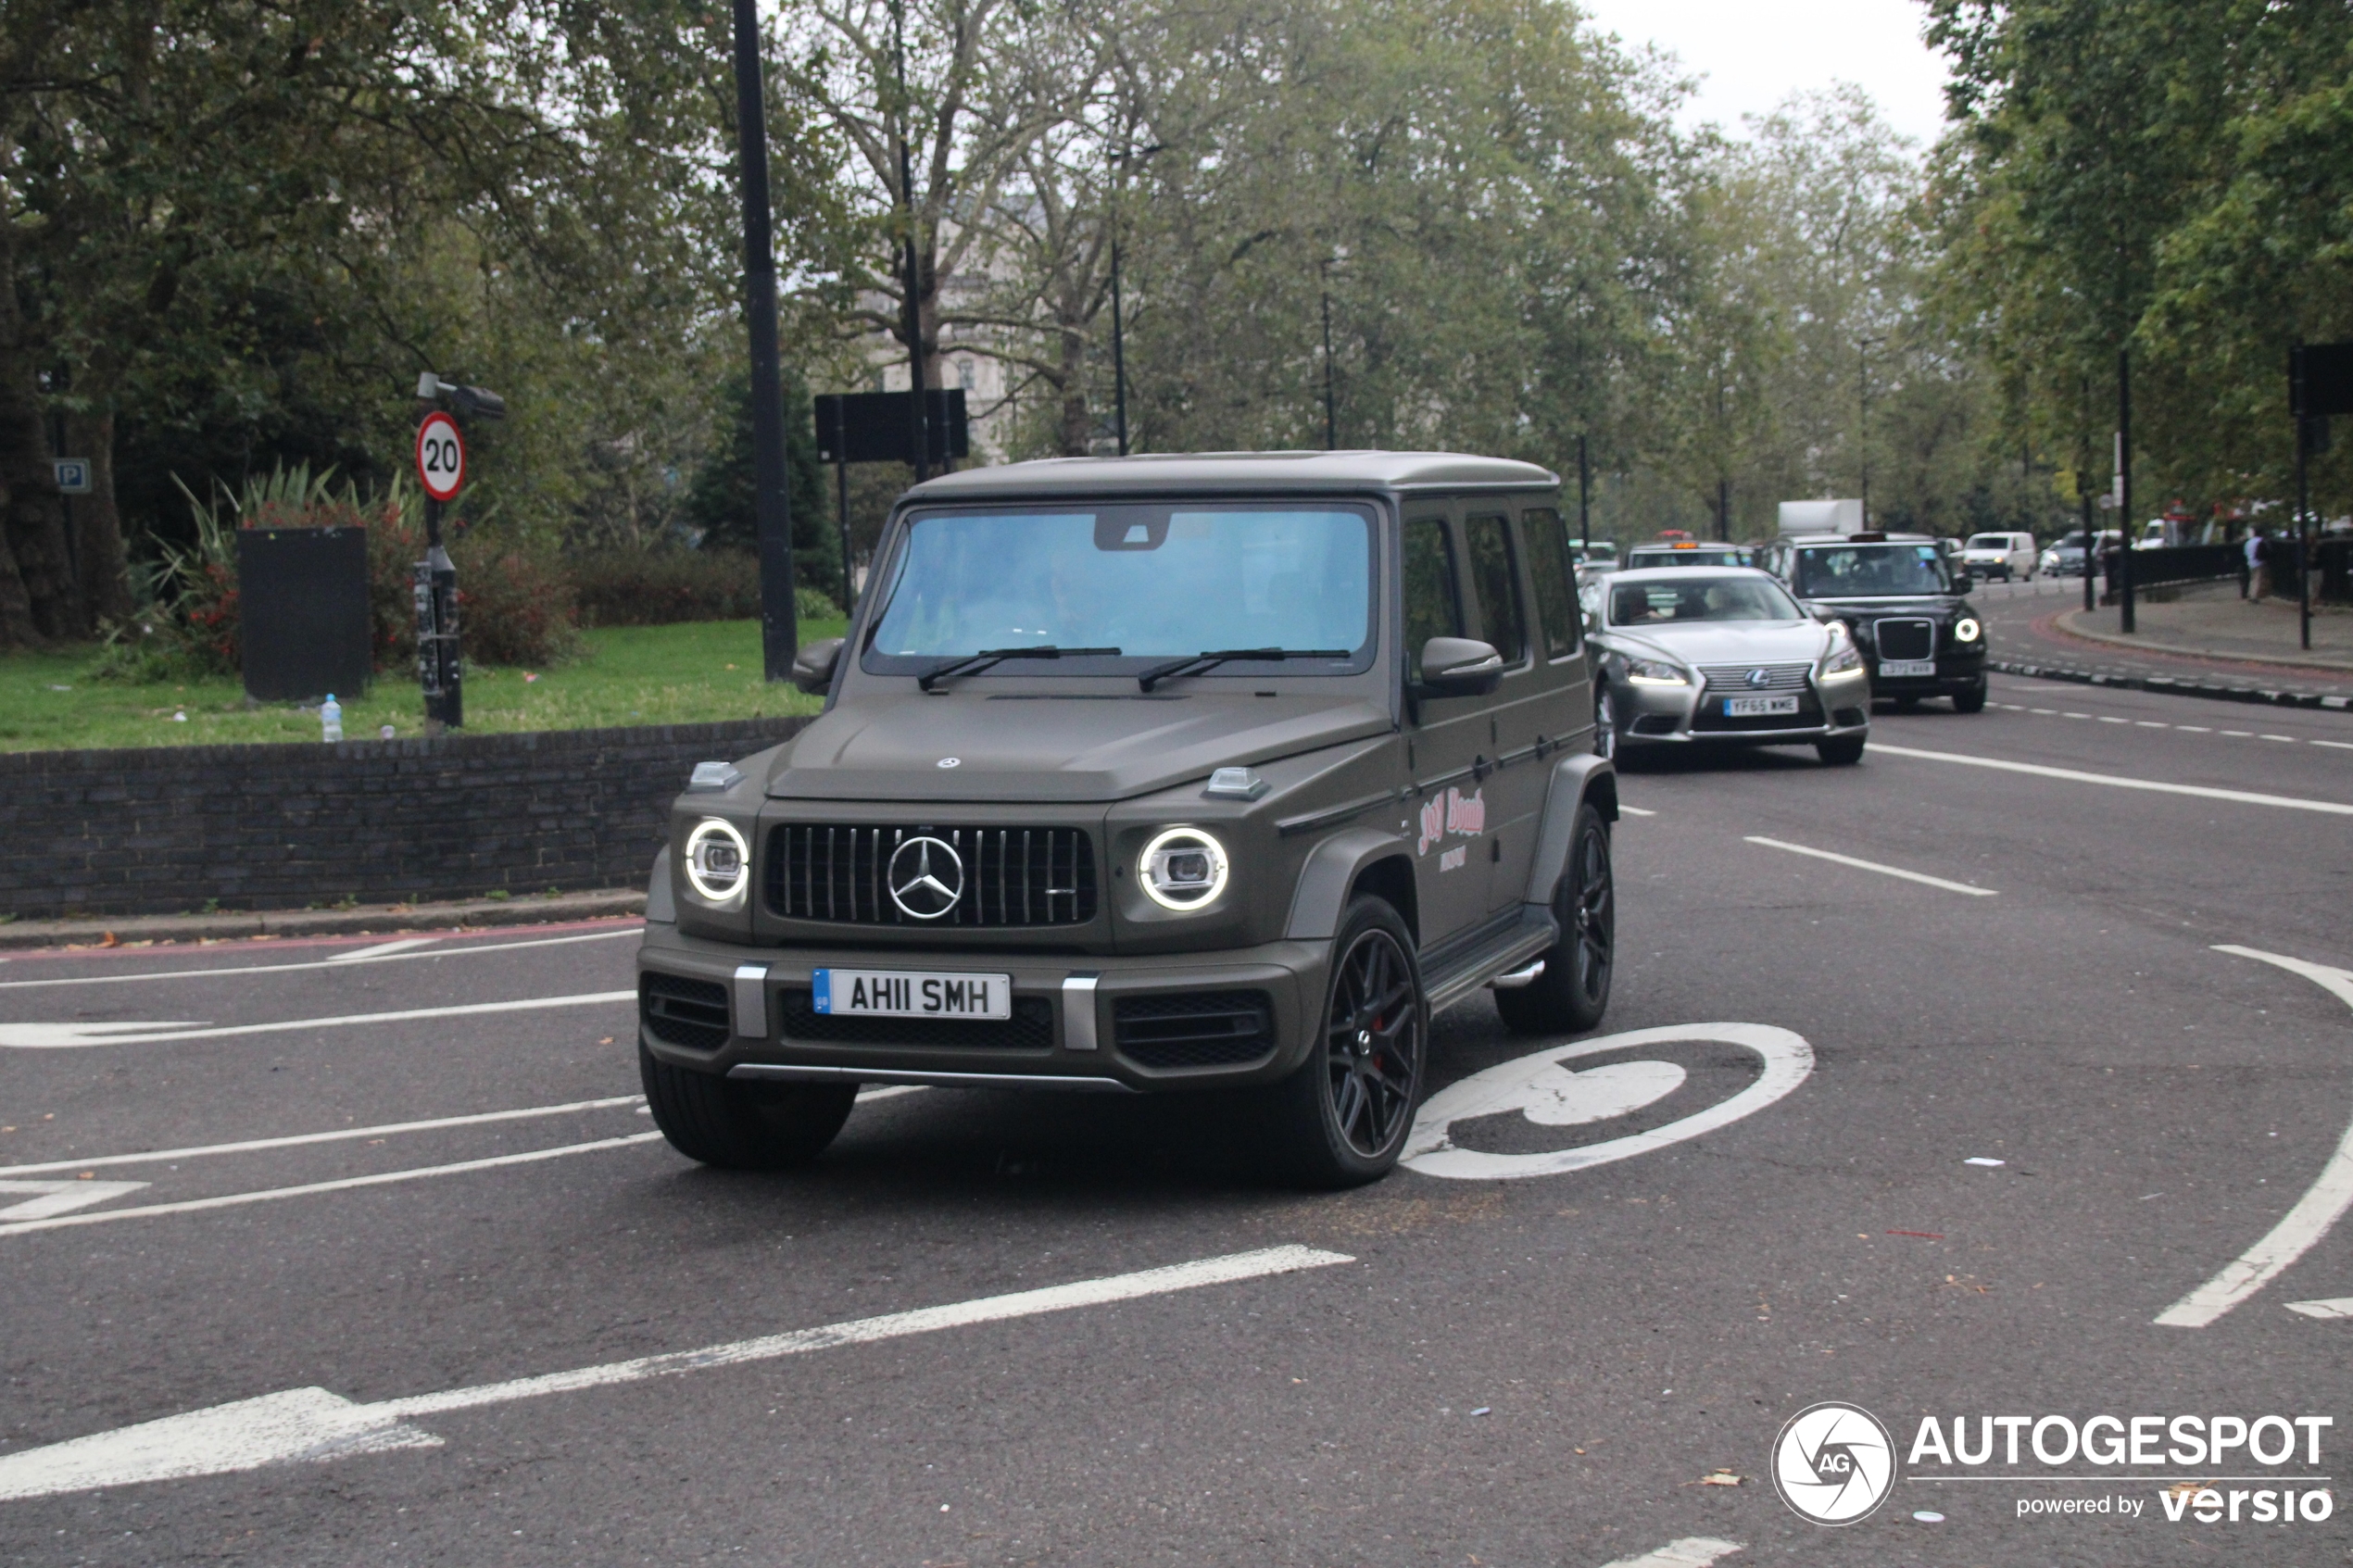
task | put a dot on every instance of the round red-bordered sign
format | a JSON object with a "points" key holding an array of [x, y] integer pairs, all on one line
{"points": [[441, 457]]}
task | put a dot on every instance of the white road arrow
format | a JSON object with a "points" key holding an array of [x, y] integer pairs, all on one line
{"points": [[51, 1036], [51, 1198], [313, 1424]]}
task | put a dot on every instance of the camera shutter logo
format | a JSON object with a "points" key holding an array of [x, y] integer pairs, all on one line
{"points": [[1833, 1463], [926, 878]]}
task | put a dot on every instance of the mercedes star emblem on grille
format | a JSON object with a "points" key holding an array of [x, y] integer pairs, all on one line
{"points": [[1760, 678], [926, 878]]}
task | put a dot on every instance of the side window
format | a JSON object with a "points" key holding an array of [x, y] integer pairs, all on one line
{"points": [[1433, 605], [1495, 577], [1555, 579]]}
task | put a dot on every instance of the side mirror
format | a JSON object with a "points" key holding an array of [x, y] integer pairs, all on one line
{"points": [[1963, 582], [1460, 667], [813, 666]]}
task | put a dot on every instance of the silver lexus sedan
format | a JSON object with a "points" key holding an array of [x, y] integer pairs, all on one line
{"points": [[1721, 657]]}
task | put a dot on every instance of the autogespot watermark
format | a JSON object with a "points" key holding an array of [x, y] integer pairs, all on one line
{"points": [[1835, 1463]]}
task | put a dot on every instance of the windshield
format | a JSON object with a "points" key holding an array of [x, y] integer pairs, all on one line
{"points": [[1702, 598], [1859, 571], [1989, 542], [1151, 582]]}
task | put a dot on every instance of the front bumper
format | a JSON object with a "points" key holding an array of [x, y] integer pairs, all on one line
{"points": [[1956, 671], [1690, 716], [1070, 1028]]}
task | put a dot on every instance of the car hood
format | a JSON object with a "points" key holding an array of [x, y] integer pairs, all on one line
{"points": [[1726, 641], [1049, 747]]}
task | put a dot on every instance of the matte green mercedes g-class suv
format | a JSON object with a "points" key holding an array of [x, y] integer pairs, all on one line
{"points": [[1148, 775]]}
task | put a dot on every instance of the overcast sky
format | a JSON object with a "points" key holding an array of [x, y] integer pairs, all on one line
{"points": [[1751, 54]]}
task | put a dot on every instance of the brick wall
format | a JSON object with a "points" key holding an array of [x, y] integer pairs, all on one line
{"points": [[164, 830]]}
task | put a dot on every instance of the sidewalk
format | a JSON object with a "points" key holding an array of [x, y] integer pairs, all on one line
{"points": [[2201, 639], [472, 914]]}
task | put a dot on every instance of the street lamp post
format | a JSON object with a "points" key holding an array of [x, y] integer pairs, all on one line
{"points": [[771, 498], [2124, 620], [1863, 347]]}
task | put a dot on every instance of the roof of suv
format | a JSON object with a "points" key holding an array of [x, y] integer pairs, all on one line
{"points": [[1208, 472]]}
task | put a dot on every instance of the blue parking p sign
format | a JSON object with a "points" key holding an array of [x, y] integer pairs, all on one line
{"points": [[73, 474]]}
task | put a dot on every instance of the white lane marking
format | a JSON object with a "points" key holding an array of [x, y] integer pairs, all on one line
{"points": [[2105, 719], [248, 970], [273, 1194], [383, 949], [2152, 724], [888, 1091], [1535, 1086], [2330, 1194], [2290, 739], [55, 1036], [2340, 1307], [2205, 730], [1636, 812], [340, 1135], [2244, 797], [1691, 1551], [2335, 745], [315, 1424], [2241, 734], [2046, 713], [2075, 716], [1875, 866], [60, 1198]]}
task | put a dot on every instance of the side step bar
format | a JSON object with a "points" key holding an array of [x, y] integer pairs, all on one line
{"points": [[1508, 958]]}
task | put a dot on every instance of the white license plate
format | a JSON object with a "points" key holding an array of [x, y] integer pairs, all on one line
{"points": [[1899, 669], [900, 993], [1758, 707]]}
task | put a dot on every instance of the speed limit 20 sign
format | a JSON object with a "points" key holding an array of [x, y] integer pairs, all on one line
{"points": [[441, 457]]}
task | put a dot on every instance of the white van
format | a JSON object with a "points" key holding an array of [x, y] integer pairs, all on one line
{"points": [[2004, 556]]}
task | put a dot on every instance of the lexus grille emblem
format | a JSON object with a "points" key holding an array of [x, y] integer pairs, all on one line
{"points": [[1760, 678], [926, 878]]}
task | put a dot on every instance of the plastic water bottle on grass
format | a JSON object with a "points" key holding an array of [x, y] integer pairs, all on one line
{"points": [[331, 718]]}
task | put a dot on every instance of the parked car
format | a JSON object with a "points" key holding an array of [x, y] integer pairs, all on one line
{"points": [[1158, 774], [2007, 555], [1909, 615], [2064, 558], [1722, 658]]}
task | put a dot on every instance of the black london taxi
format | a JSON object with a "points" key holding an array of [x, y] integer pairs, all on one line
{"points": [[1906, 607]]}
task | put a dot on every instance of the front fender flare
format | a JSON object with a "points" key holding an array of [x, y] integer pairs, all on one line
{"points": [[661, 904], [1332, 870], [1576, 780]]}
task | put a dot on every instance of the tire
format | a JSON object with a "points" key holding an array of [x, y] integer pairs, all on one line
{"points": [[742, 1127], [1571, 995], [1604, 722], [1341, 1120], [1970, 701], [1840, 751]]}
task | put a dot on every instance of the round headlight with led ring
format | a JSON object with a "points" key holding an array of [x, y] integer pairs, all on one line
{"points": [[718, 860], [1967, 629], [1183, 869]]}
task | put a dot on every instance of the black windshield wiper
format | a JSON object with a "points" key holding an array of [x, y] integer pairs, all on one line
{"points": [[972, 664], [1201, 663]]}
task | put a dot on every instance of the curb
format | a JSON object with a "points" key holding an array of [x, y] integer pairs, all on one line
{"points": [[2269, 696], [2178, 650], [384, 918]]}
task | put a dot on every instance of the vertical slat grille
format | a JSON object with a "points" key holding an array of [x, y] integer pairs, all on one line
{"points": [[1011, 876]]}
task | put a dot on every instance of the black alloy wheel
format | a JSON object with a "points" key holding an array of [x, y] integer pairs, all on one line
{"points": [[1342, 1118], [1371, 1043], [1573, 993]]}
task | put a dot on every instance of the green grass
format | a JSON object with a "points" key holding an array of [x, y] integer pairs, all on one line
{"points": [[691, 674]]}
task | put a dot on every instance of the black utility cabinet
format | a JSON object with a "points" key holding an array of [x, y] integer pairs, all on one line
{"points": [[302, 602]]}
